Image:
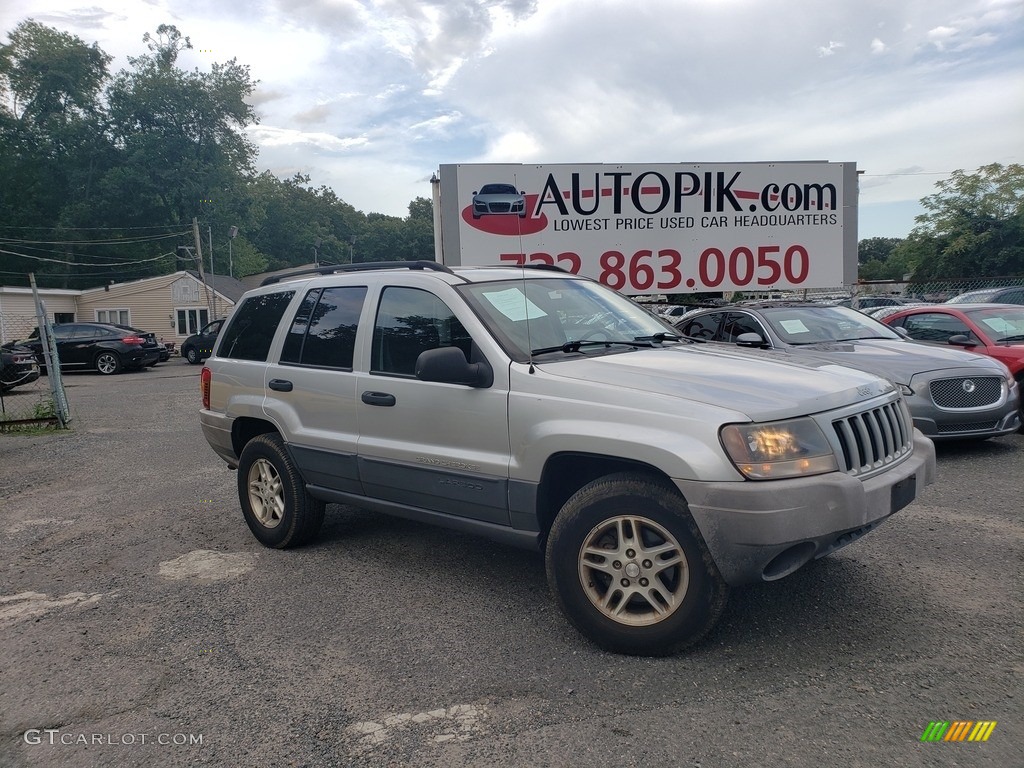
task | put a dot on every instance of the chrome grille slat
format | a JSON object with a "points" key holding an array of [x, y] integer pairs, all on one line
{"points": [[871, 439], [888, 443]]}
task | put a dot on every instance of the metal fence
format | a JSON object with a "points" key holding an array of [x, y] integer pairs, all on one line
{"points": [[932, 291], [28, 398]]}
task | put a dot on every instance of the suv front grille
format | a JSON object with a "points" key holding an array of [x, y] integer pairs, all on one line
{"points": [[871, 439], [967, 391]]}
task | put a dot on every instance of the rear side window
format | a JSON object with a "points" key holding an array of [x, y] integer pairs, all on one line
{"points": [[323, 333], [252, 326]]}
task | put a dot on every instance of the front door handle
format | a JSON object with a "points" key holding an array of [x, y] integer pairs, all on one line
{"points": [[280, 385], [378, 398]]}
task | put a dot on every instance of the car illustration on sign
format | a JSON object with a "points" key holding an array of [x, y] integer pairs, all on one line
{"points": [[499, 199]]}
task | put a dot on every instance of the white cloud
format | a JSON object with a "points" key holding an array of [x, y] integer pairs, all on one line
{"points": [[394, 88], [830, 49]]}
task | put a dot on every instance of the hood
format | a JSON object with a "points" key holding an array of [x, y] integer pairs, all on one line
{"points": [[760, 384], [896, 360]]}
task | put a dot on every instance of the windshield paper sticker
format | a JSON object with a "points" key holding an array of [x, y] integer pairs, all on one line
{"points": [[514, 305], [794, 326]]}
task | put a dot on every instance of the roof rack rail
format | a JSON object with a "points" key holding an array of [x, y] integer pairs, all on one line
{"points": [[547, 268], [358, 267]]}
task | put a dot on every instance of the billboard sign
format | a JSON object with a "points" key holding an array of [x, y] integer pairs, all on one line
{"points": [[663, 228]]}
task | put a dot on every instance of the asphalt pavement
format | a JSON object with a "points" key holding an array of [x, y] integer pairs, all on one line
{"points": [[141, 624]]}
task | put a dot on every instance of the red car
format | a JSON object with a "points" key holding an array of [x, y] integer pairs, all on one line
{"points": [[996, 330]]}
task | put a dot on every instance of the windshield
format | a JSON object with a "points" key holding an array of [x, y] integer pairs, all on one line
{"points": [[1001, 325], [812, 325], [542, 315]]}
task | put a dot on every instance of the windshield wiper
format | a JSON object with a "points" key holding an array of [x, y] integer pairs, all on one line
{"points": [[1010, 339], [659, 336], [574, 346]]}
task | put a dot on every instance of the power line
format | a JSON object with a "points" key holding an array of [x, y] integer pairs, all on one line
{"points": [[118, 241], [78, 264]]}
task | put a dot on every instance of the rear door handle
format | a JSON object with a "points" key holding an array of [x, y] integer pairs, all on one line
{"points": [[378, 398], [280, 385]]}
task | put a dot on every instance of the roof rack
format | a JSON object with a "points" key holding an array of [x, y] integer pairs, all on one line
{"points": [[547, 268], [359, 267]]}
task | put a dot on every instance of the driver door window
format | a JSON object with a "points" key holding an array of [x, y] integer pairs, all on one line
{"points": [[411, 321], [737, 323]]}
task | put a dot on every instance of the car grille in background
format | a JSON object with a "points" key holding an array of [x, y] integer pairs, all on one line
{"points": [[969, 426], [967, 392], [874, 438], [500, 207]]}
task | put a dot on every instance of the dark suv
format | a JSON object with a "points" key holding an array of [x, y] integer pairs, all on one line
{"points": [[199, 346], [103, 347]]}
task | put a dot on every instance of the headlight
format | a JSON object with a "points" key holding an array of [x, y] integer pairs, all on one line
{"points": [[905, 390], [795, 448]]}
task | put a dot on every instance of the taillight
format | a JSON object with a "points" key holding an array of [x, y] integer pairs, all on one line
{"points": [[204, 386], [132, 340]]}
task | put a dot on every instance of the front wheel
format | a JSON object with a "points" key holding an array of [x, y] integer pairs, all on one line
{"points": [[629, 568], [192, 355], [108, 363], [277, 508]]}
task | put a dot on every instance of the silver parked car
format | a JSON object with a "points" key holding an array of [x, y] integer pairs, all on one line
{"points": [[544, 409], [500, 199], [951, 394]]}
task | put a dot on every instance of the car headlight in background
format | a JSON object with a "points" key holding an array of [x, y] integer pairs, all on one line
{"points": [[794, 448], [905, 390]]}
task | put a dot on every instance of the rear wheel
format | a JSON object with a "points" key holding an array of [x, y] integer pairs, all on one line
{"points": [[273, 496], [108, 363], [629, 568]]}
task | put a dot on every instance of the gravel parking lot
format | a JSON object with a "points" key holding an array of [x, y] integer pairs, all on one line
{"points": [[142, 625]]}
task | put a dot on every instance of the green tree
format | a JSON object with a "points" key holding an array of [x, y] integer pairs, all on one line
{"points": [[53, 140], [50, 75], [180, 134], [973, 226], [876, 249]]}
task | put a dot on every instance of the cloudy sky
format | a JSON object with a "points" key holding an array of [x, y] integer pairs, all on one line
{"points": [[369, 97]]}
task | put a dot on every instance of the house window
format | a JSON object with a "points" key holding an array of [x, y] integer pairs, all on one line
{"points": [[63, 317], [190, 320], [116, 316]]}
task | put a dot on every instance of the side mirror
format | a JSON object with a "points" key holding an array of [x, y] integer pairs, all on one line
{"points": [[901, 331], [749, 340], [448, 365], [961, 340]]}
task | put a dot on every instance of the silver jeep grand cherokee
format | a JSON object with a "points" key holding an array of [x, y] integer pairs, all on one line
{"points": [[545, 410]]}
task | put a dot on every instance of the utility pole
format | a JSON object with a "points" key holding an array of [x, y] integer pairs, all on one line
{"points": [[209, 234], [199, 260]]}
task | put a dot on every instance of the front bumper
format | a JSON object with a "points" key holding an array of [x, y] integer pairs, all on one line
{"points": [[936, 423], [764, 530]]}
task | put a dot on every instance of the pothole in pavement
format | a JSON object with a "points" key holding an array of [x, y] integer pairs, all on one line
{"points": [[207, 565], [26, 605]]}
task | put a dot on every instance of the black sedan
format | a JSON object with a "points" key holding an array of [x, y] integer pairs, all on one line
{"points": [[18, 366], [103, 347], [951, 394]]}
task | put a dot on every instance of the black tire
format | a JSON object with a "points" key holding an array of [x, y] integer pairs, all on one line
{"points": [[192, 355], [273, 496], [108, 363], [650, 608]]}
